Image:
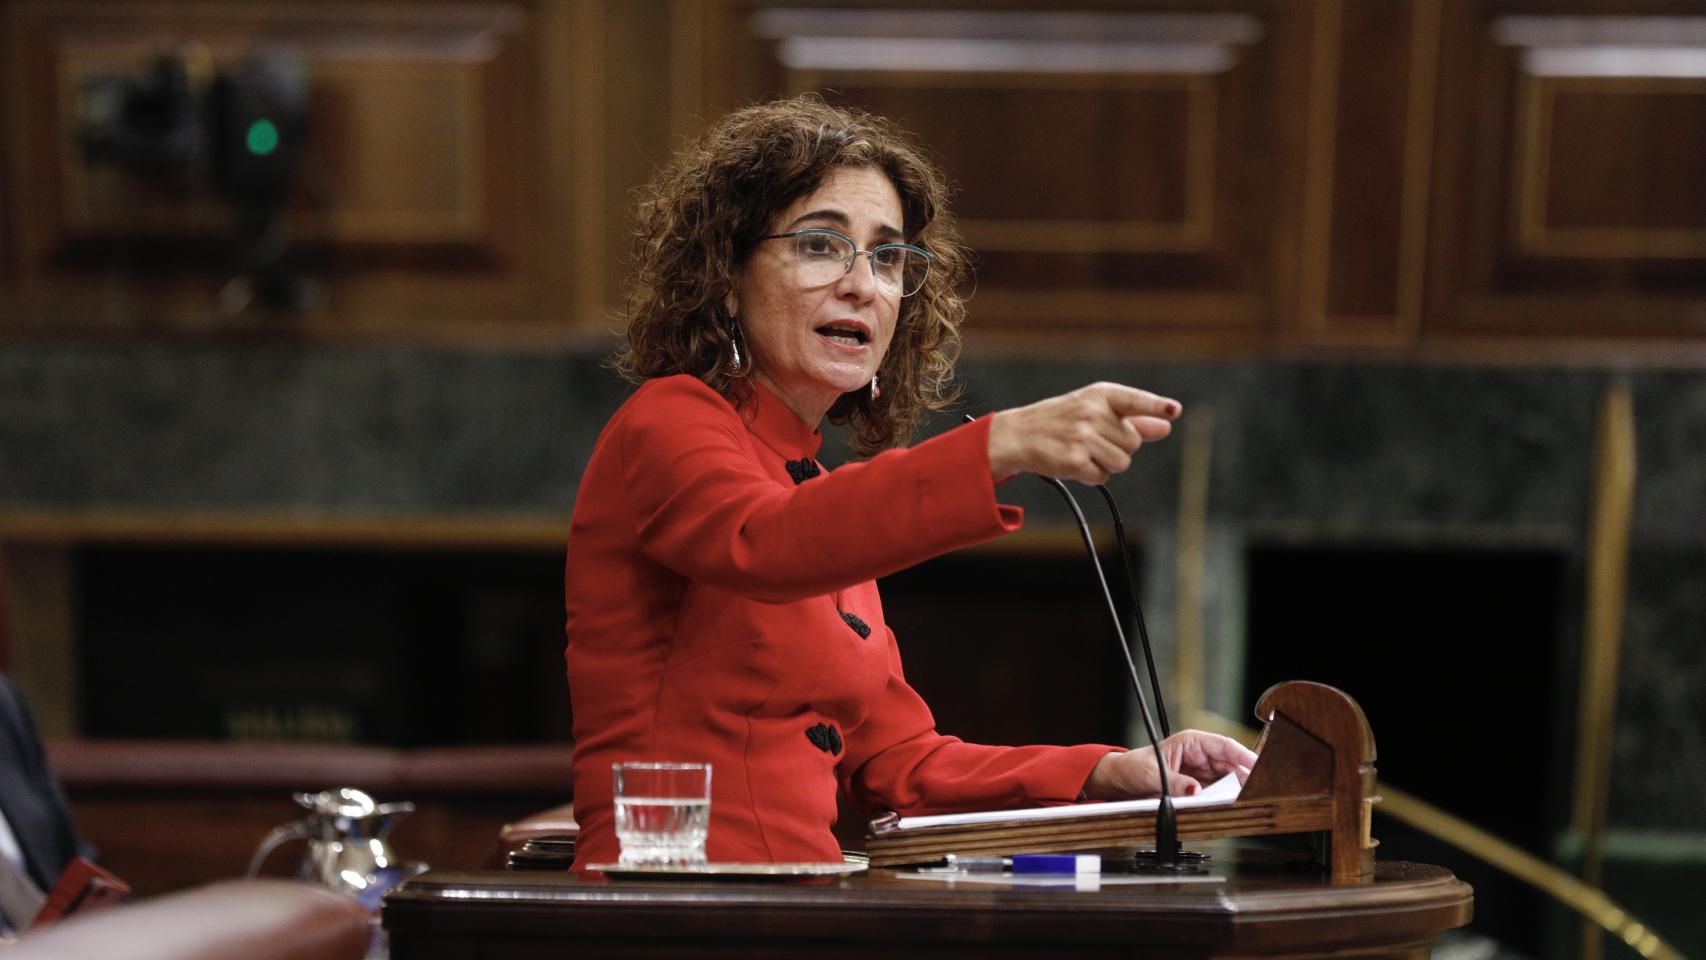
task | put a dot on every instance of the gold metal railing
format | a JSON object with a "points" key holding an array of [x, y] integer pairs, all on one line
{"points": [[1613, 498]]}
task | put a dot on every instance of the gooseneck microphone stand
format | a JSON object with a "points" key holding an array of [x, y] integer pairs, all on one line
{"points": [[1136, 606], [1167, 855]]}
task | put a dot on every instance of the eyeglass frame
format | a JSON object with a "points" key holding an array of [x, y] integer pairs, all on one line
{"points": [[909, 247]]}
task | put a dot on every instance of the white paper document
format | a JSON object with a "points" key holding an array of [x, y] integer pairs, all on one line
{"points": [[1224, 790], [1088, 881]]}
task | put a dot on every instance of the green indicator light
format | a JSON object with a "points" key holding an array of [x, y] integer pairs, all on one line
{"points": [[263, 137]]}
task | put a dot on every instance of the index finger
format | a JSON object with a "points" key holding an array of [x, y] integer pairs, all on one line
{"points": [[1131, 402]]}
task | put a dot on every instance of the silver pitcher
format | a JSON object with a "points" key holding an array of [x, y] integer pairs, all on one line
{"points": [[347, 846]]}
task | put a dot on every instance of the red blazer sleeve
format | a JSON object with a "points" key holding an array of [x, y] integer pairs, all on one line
{"points": [[896, 760], [705, 508]]}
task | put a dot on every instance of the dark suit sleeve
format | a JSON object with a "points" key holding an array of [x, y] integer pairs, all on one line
{"points": [[34, 805]]}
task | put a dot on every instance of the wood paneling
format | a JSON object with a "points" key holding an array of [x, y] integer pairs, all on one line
{"points": [[1569, 202], [1611, 166], [1450, 178], [1109, 162], [399, 135], [420, 192], [1367, 170]]}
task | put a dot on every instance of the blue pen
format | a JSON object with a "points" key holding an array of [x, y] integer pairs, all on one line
{"points": [[1068, 864], [1064, 864]]}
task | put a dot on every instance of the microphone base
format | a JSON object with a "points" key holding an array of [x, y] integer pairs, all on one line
{"points": [[1187, 861]]}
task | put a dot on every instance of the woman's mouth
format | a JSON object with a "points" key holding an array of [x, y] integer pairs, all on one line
{"points": [[847, 334]]}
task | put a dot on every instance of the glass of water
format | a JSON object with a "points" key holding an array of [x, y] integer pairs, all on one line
{"points": [[663, 812]]}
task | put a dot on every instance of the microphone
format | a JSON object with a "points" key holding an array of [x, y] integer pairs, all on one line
{"points": [[1137, 608], [1166, 828], [1167, 852]]}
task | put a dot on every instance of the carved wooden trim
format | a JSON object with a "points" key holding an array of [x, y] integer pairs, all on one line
{"points": [[1027, 50], [1537, 96], [1414, 182], [1329, 717], [1191, 233], [1613, 55], [1317, 240], [576, 118], [1418, 166], [478, 532]]}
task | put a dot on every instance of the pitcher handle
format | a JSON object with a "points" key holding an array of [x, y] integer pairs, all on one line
{"points": [[297, 830]]}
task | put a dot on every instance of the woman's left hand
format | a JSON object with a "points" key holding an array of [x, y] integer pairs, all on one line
{"points": [[1193, 758]]}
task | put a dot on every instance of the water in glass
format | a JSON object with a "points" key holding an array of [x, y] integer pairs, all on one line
{"points": [[663, 812], [662, 830]]}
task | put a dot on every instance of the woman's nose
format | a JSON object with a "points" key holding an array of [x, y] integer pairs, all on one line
{"points": [[860, 280]]}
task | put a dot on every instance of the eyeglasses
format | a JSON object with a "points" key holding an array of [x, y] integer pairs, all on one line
{"points": [[825, 256]]}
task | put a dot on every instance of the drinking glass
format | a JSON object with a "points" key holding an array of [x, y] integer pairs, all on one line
{"points": [[663, 812]]}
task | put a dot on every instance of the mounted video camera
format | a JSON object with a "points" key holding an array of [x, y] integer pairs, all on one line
{"points": [[240, 133]]}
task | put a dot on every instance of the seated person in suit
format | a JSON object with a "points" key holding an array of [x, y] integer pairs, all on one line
{"points": [[798, 264], [37, 839]]}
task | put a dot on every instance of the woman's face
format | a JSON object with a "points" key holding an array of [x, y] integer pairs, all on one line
{"points": [[811, 344]]}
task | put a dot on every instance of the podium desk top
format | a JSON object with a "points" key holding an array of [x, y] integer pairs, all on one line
{"points": [[1261, 905]]}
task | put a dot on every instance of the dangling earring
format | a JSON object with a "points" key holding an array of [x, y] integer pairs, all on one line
{"points": [[737, 365], [876, 391]]}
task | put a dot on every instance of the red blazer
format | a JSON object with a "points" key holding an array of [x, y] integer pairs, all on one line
{"points": [[722, 608]]}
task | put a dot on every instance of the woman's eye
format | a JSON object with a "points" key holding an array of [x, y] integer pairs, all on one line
{"points": [[890, 257], [819, 245]]}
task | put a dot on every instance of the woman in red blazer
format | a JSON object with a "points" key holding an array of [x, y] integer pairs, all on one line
{"points": [[796, 265]]}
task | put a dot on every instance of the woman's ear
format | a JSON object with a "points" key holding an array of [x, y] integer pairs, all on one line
{"points": [[731, 303]]}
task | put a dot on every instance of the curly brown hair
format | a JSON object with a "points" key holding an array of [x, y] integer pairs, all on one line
{"points": [[702, 217]]}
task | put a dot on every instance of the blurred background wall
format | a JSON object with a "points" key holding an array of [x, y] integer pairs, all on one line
{"points": [[304, 308]]}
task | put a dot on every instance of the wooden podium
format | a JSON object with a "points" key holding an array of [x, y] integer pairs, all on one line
{"points": [[1259, 905], [1314, 774]]}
